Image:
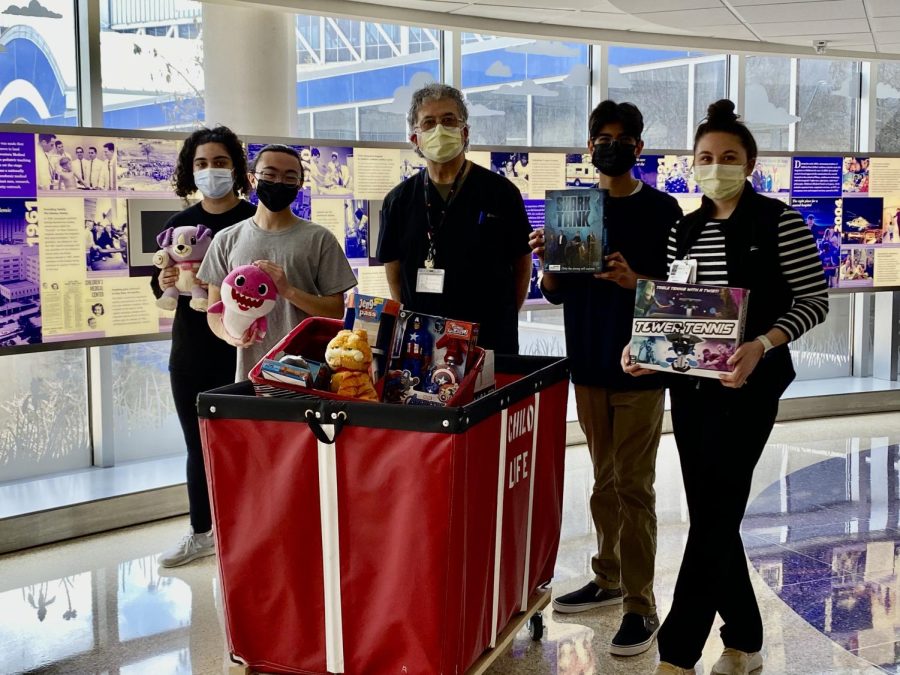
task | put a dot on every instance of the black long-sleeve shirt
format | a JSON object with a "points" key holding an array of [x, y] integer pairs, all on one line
{"points": [[194, 345], [598, 313]]}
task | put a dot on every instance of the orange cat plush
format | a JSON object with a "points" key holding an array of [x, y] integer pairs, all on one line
{"points": [[349, 357]]}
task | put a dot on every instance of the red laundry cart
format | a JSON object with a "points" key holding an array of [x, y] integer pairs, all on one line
{"points": [[368, 538]]}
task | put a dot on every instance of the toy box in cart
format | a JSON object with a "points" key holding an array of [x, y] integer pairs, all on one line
{"points": [[688, 329], [431, 357]]}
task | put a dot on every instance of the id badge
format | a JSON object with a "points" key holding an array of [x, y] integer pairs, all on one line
{"points": [[683, 272], [430, 281]]}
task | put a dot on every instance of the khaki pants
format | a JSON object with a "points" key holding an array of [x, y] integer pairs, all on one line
{"points": [[623, 429]]}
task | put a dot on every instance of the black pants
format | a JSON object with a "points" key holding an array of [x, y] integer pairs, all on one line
{"points": [[720, 435], [186, 385]]}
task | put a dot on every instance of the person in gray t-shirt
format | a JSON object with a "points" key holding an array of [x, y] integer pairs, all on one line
{"points": [[304, 259]]}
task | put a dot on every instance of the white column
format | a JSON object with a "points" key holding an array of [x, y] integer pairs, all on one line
{"points": [[250, 69]]}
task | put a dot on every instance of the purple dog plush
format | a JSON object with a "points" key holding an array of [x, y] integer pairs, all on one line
{"points": [[184, 248]]}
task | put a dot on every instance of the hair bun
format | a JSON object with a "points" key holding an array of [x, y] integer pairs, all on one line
{"points": [[721, 111]]}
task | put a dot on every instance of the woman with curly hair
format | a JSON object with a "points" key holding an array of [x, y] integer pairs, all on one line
{"points": [[211, 161]]}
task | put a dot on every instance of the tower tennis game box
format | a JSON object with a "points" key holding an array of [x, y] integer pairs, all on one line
{"points": [[689, 329]]}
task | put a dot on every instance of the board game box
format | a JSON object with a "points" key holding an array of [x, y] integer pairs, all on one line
{"points": [[689, 329], [378, 317], [574, 230]]}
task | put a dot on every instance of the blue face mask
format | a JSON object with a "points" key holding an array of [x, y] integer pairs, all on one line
{"points": [[214, 183]]}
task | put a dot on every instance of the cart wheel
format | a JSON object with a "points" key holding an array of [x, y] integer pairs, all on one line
{"points": [[536, 626]]}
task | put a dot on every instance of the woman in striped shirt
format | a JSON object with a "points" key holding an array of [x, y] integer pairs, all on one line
{"points": [[742, 239]]}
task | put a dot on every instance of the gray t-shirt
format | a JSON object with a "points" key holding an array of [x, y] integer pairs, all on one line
{"points": [[312, 260]]}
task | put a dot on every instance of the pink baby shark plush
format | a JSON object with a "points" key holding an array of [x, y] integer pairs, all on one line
{"points": [[248, 294]]}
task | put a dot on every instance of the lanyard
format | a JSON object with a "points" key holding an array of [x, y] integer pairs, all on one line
{"points": [[431, 230]]}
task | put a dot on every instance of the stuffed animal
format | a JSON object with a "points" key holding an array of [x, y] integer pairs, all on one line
{"points": [[183, 247], [248, 295], [349, 357]]}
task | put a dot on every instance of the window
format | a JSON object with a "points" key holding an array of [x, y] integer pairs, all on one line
{"points": [[710, 85], [145, 424], [37, 64], [356, 78], [151, 57], [43, 414], [526, 92], [767, 101], [887, 107], [656, 81], [828, 105]]}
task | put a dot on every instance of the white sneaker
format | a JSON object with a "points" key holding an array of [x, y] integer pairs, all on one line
{"points": [[736, 662], [192, 546], [665, 668]]}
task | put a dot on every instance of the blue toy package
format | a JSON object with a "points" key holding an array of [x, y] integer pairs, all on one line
{"points": [[430, 359]]}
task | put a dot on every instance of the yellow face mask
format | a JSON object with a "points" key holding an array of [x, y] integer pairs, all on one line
{"points": [[720, 181], [441, 144]]}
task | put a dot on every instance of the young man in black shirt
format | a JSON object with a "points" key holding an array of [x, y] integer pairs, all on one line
{"points": [[454, 238], [621, 418], [213, 162]]}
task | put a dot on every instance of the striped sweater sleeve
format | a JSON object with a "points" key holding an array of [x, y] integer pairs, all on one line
{"points": [[802, 270], [672, 246]]}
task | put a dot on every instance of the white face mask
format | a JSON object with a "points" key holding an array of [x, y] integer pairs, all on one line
{"points": [[720, 181], [441, 144], [214, 183]]}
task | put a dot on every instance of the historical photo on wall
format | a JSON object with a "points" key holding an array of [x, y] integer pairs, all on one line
{"points": [[75, 163], [146, 165], [331, 171], [20, 269], [514, 166], [106, 236]]}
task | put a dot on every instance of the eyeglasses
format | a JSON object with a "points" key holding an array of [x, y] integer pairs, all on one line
{"points": [[449, 121], [290, 178], [609, 141]]}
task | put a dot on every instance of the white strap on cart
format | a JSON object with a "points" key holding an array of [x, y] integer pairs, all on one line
{"points": [[498, 533], [331, 553], [534, 449]]}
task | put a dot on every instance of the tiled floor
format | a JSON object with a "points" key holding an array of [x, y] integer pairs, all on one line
{"points": [[823, 531]]}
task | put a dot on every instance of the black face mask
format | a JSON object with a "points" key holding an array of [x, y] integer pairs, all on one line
{"points": [[613, 159], [276, 196]]}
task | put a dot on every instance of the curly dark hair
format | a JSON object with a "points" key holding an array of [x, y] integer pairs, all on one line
{"points": [[183, 180]]}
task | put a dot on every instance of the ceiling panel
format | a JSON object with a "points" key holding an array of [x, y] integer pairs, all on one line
{"points": [[883, 7], [886, 24], [427, 5], [731, 31], [607, 21], [803, 11], [691, 18], [745, 3], [858, 25], [811, 28], [555, 5], [658, 6], [510, 13]]}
